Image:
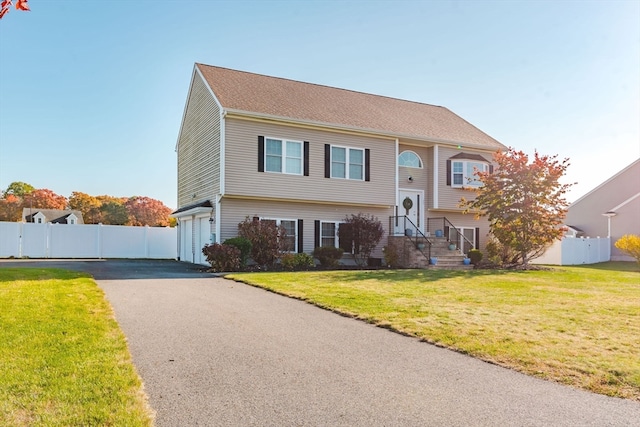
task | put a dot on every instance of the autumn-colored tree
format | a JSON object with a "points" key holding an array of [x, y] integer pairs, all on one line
{"points": [[45, 199], [114, 212], [6, 5], [630, 245], [147, 211], [363, 232], [267, 239], [523, 201], [19, 189], [88, 205], [10, 208]]}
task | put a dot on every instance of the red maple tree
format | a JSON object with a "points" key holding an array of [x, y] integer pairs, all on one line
{"points": [[45, 199], [6, 5]]}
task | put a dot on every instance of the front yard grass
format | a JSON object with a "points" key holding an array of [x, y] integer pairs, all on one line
{"points": [[579, 326], [63, 358]]}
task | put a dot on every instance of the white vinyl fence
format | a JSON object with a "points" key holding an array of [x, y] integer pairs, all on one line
{"points": [[86, 241], [576, 251]]}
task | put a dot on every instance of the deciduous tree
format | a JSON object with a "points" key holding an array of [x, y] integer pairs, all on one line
{"points": [[88, 205], [147, 211], [630, 244], [266, 239], [365, 232], [6, 5], [523, 201], [19, 189], [45, 199], [113, 212], [10, 208]]}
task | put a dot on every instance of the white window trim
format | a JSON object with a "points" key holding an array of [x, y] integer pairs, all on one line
{"points": [[414, 153], [279, 223], [283, 163], [347, 162], [466, 179]]}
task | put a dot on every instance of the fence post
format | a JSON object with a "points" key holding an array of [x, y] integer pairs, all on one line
{"points": [[20, 231], [146, 241], [47, 244], [99, 240]]}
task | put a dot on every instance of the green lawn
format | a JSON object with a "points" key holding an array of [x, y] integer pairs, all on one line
{"points": [[576, 325], [63, 359]]}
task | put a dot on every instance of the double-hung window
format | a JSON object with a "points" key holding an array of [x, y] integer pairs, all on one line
{"points": [[347, 163], [330, 236], [283, 156], [463, 173]]}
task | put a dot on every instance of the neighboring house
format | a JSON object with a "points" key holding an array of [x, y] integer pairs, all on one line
{"points": [[612, 209], [54, 216], [306, 156]]}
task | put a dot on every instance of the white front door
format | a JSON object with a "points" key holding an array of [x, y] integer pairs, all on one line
{"points": [[411, 204]]}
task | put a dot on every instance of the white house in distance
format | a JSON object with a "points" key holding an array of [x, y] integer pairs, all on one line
{"points": [[53, 216], [306, 156], [612, 209]]}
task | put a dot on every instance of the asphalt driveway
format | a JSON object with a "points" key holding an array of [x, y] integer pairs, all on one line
{"points": [[213, 352]]}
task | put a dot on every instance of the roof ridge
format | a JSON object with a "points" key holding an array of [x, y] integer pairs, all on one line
{"points": [[326, 86]]}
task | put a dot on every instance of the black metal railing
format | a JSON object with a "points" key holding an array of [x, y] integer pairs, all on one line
{"points": [[401, 225], [442, 227]]}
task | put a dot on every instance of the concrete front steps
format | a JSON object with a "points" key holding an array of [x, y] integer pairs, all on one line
{"points": [[415, 258], [447, 259]]}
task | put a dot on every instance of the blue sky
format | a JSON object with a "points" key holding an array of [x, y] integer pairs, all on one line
{"points": [[92, 92]]}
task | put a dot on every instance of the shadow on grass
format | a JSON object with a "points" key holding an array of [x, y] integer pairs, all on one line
{"points": [[396, 276]]}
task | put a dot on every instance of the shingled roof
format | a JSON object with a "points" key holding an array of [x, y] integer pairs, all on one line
{"points": [[240, 91]]}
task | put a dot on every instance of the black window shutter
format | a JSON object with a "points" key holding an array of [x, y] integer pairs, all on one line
{"points": [[300, 238], [306, 158], [490, 168], [477, 238], [367, 159], [448, 172], [316, 241], [327, 161], [260, 153]]}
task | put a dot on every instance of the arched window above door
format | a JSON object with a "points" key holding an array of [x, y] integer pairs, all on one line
{"points": [[409, 159]]}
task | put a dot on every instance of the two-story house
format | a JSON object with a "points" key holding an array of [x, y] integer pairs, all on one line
{"points": [[612, 209], [306, 156]]}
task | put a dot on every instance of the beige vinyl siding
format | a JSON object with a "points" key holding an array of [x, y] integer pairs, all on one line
{"points": [[242, 176], [235, 211], [449, 197], [199, 147]]}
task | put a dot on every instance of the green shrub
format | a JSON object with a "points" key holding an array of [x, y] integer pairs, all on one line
{"points": [[475, 256], [222, 257], [292, 262], [303, 261], [499, 254], [328, 255], [243, 245], [630, 244]]}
